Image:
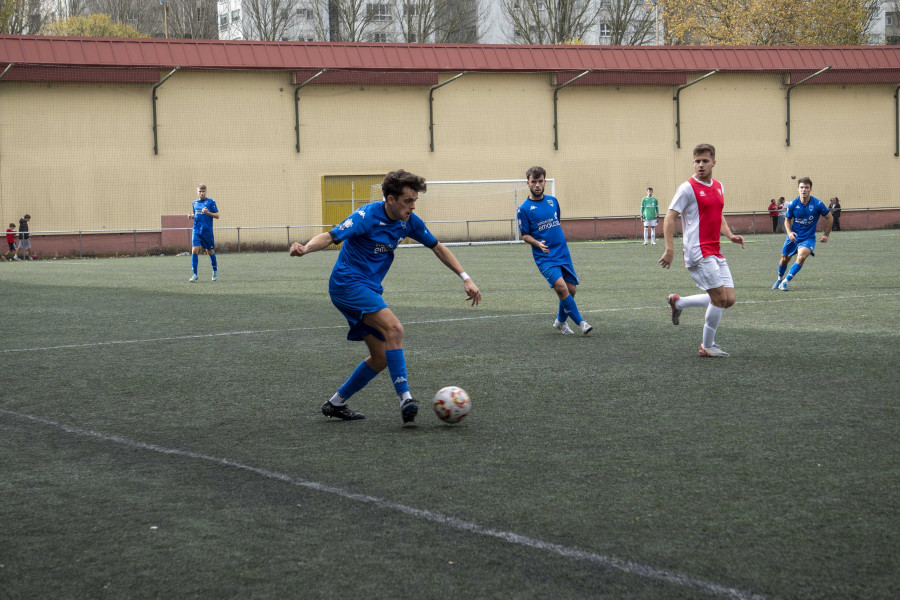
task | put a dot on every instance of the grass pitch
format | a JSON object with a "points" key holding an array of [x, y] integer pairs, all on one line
{"points": [[162, 439]]}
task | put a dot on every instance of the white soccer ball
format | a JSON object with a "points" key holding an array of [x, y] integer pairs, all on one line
{"points": [[452, 404]]}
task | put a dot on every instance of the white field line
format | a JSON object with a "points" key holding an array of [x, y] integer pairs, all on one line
{"points": [[662, 305], [610, 562]]}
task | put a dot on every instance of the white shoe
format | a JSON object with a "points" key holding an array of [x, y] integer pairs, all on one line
{"points": [[585, 327], [644, 244], [654, 243], [563, 327], [714, 351], [783, 285], [193, 278]]}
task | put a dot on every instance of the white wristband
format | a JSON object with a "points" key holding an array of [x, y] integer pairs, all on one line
{"points": [[464, 276]]}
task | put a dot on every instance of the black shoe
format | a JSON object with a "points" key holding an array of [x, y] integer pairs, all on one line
{"points": [[408, 410], [341, 412]]}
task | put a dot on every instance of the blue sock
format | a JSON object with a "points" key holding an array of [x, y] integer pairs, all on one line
{"points": [[572, 308], [194, 259], [561, 316], [794, 270], [358, 380], [212, 259], [781, 270], [396, 362]]}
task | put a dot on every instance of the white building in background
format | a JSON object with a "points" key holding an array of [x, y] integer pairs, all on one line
{"points": [[493, 26]]}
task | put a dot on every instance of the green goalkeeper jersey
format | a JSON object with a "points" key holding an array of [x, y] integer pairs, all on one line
{"points": [[649, 208]]}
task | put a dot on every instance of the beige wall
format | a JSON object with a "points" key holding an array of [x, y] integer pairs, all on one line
{"points": [[80, 156]]}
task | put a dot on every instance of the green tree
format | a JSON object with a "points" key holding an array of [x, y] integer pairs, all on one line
{"points": [[96, 25], [768, 22]]}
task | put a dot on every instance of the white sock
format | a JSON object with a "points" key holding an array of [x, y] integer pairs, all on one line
{"points": [[698, 300], [645, 235], [337, 400], [405, 396], [713, 316], [653, 235]]}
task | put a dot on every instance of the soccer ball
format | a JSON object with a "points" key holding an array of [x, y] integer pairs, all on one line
{"points": [[452, 404]]}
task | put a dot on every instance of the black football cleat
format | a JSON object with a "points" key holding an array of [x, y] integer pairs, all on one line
{"points": [[341, 412]]}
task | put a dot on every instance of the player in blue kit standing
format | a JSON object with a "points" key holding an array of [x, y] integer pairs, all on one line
{"points": [[205, 210], [370, 235], [800, 222], [540, 227]]}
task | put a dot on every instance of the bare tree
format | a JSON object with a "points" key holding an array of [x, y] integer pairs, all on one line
{"points": [[194, 19], [271, 19], [631, 22], [350, 20], [439, 21], [143, 15], [24, 17], [549, 21]]}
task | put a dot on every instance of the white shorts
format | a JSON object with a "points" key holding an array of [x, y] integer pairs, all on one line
{"points": [[711, 272], [650, 223]]}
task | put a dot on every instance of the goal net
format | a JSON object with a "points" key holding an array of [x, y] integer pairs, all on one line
{"points": [[472, 212]]}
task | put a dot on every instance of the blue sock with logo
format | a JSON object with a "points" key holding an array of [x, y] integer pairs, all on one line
{"points": [[212, 260], [572, 309], [358, 380], [794, 270], [781, 270], [561, 316], [194, 260], [396, 362]]}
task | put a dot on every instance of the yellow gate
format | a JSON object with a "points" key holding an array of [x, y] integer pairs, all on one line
{"points": [[342, 194]]}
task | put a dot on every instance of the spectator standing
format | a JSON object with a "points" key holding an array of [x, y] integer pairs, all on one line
{"points": [[649, 214], [11, 242], [835, 208], [773, 212], [782, 211], [25, 238]]}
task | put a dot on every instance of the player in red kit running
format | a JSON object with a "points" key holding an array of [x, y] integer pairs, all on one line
{"points": [[699, 202]]}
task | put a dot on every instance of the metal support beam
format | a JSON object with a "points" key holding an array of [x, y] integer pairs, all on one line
{"points": [[6, 70], [897, 121], [155, 87], [677, 99], [297, 105], [791, 87], [556, 101], [431, 106]]}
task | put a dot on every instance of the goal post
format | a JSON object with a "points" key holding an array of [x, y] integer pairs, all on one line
{"points": [[472, 211]]}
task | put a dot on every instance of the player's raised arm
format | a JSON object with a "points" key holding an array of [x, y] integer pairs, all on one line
{"points": [[323, 240], [443, 253]]}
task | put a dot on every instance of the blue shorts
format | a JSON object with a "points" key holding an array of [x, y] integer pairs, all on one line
{"points": [[567, 272], [790, 248], [204, 240], [354, 302]]}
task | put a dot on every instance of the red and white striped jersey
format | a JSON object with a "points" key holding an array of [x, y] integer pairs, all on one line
{"points": [[701, 205]]}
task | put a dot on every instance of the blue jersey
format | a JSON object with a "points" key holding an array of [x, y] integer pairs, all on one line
{"points": [[370, 238], [805, 217], [540, 220], [203, 224]]}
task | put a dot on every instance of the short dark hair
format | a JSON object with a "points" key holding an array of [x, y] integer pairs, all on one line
{"points": [[649, 189], [805, 180], [535, 172], [702, 148], [780, 197], [26, 217], [396, 181]]}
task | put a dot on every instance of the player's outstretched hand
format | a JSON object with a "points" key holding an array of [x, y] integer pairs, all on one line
{"points": [[297, 249], [824, 239], [665, 261], [473, 294], [737, 239]]}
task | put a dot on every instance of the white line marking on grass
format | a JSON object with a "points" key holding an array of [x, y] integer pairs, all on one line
{"points": [[625, 566], [662, 305]]}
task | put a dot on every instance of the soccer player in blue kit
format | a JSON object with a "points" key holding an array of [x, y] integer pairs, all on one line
{"points": [[205, 210], [539, 225], [800, 224], [370, 235]]}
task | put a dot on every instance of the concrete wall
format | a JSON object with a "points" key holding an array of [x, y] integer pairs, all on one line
{"points": [[79, 156]]}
